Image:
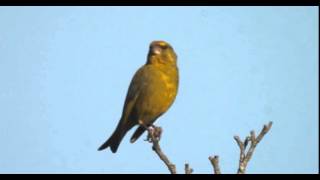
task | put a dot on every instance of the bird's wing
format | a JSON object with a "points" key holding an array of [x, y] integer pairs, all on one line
{"points": [[141, 90], [138, 83]]}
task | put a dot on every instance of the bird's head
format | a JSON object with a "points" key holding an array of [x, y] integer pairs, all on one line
{"points": [[161, 52]]}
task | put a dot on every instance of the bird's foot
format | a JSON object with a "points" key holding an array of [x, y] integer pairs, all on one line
{"points": [[154, 133]]}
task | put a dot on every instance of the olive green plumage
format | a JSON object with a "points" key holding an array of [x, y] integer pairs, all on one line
{"points": [[151, 92]]}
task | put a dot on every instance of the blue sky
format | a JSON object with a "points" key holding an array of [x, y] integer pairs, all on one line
{"points": [[64, 73]]}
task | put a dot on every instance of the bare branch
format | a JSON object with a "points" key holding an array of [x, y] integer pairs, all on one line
{"points": [[154, 134], [252, 136], [264, 131], [245, 157], [187, 169], [241, 147], [215, 163]]}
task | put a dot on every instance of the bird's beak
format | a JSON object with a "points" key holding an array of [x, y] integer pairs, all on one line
{"points": [[156, 50]]}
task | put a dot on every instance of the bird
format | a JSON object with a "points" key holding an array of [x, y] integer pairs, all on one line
{"points": [[151, 92]]}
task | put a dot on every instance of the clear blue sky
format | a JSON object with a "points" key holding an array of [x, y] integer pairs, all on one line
{"points": [[64, 74]]}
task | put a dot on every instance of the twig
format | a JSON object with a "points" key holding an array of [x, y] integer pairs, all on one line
{"points": [[187, 169], [215, 163], [154, 134], [246, 156]]}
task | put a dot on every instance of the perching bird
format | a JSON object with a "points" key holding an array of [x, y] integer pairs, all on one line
{"points": [[151, 92]]}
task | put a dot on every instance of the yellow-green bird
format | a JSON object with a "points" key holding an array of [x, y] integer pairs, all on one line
{"points": [[151, 92]]}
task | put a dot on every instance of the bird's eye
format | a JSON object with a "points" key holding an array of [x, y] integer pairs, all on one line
{"points": [[164, 47]]}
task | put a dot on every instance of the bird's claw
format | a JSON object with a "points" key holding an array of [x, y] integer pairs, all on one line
{"points": [[154, 133]]}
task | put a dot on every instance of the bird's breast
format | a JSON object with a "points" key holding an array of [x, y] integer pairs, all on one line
{"points": [[170, 83], [157, 93]]}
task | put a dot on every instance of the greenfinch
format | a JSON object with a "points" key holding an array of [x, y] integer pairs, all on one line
{"points": [[152, 91]]}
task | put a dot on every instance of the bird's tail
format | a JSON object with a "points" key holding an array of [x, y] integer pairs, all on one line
{"points": [[115, 139], [140, 130]]}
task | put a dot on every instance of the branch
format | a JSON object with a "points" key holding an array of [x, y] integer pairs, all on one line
{"points": [[215, 163], [246, 156], [187, 169], [154, 134]]}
